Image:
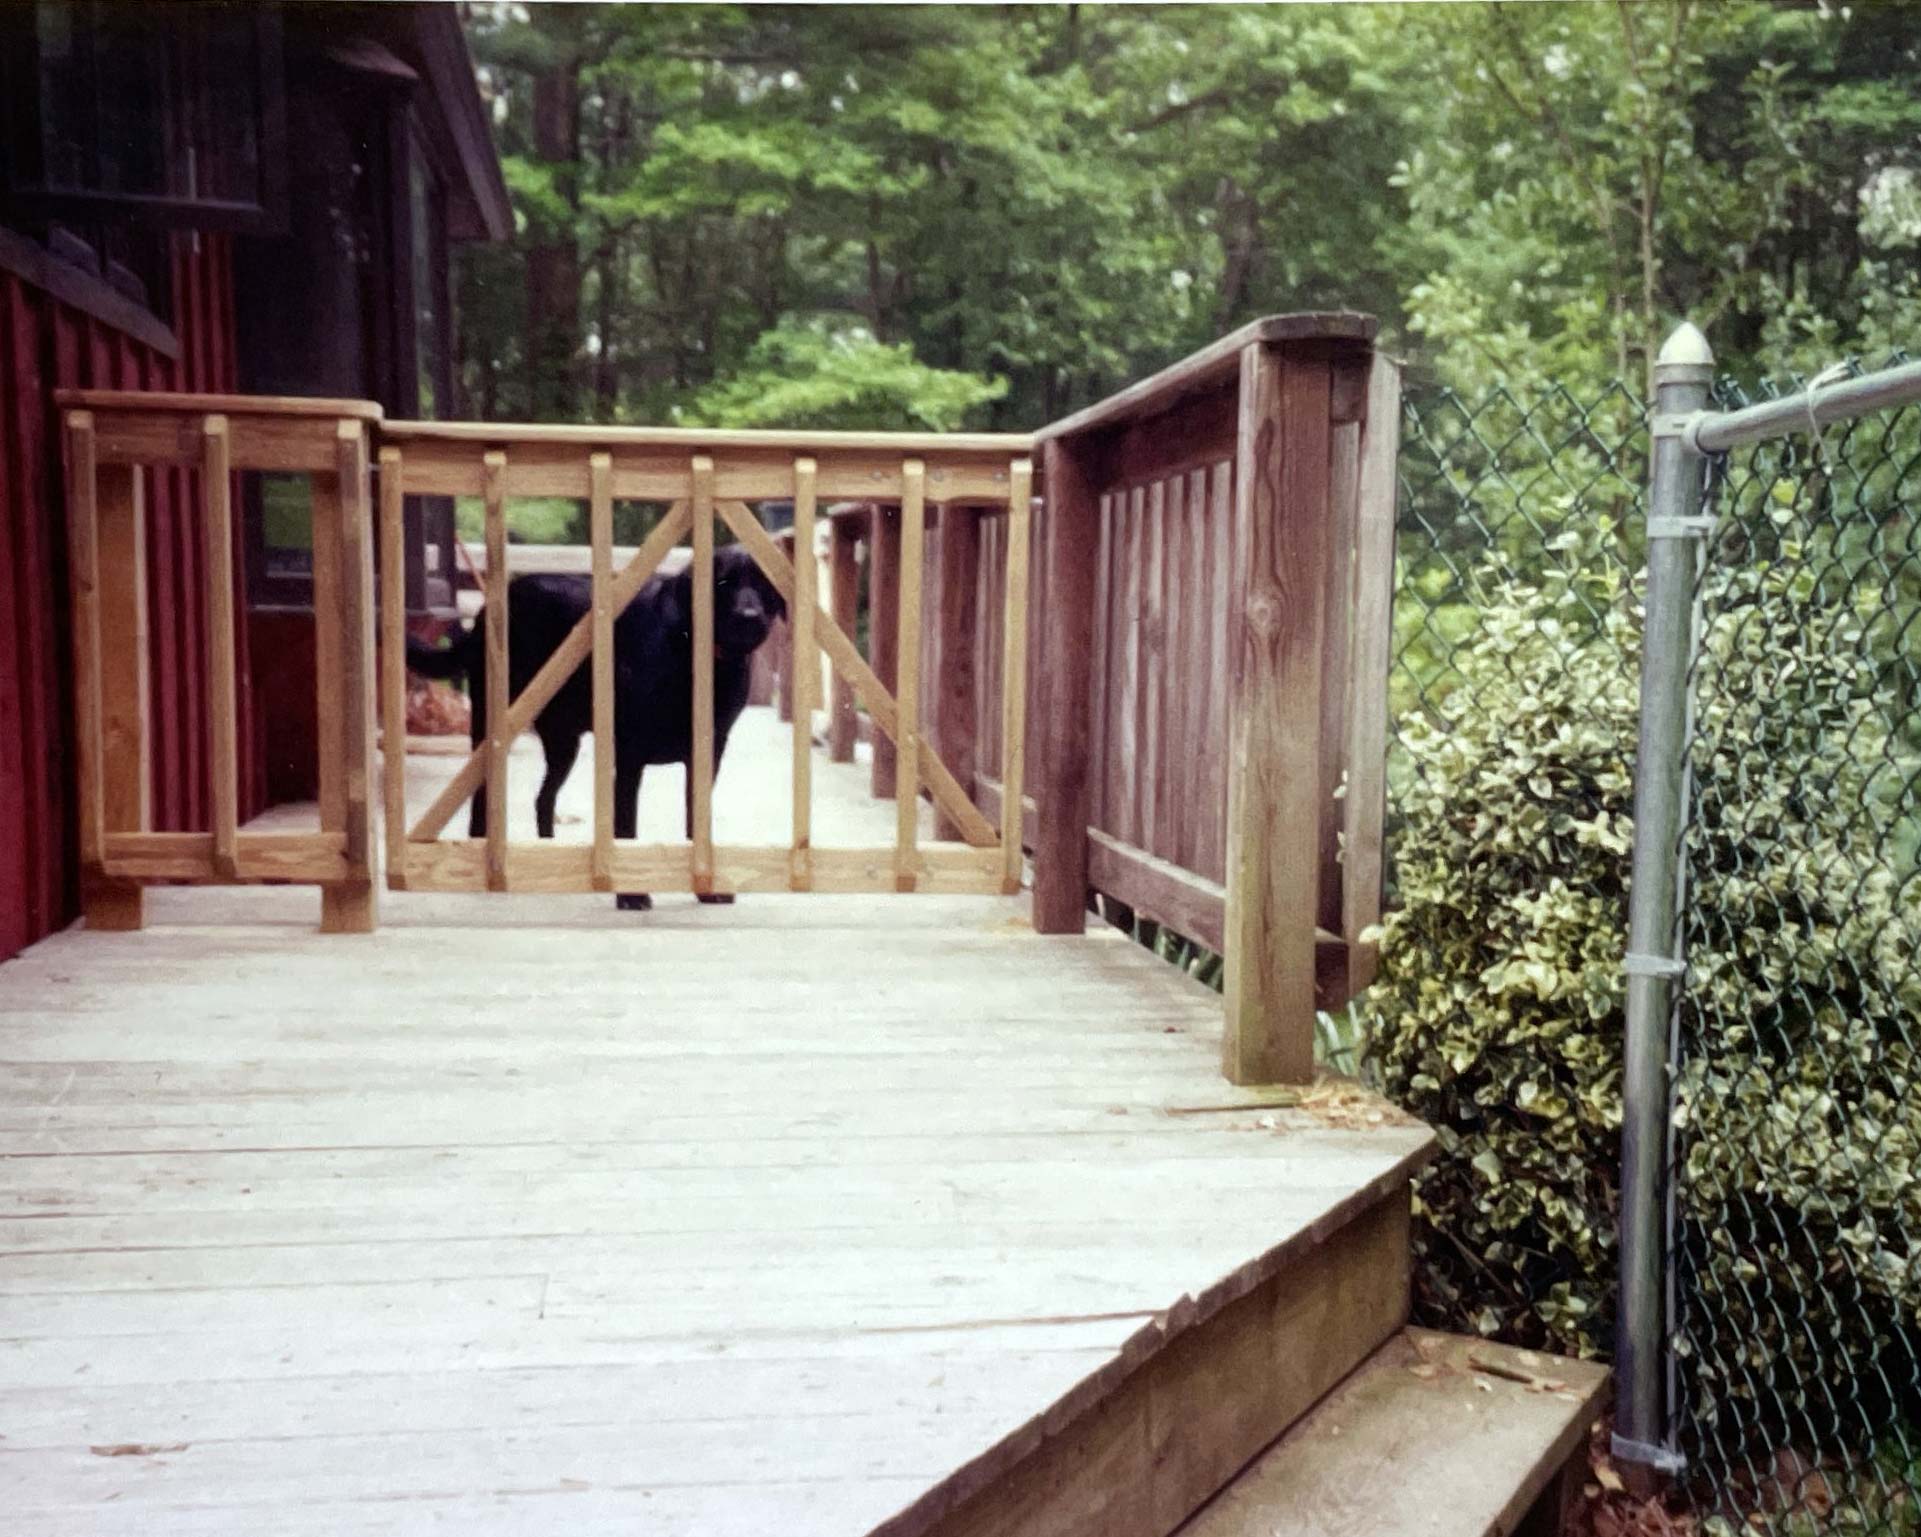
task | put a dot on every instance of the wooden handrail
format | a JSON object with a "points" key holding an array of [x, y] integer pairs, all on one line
{"points": [[992, 446], [1215, 364]]}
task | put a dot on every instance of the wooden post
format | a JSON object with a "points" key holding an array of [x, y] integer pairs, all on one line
{"points": [[1364, 805], [393, 664], [954, 724], [800, 624], [600, 520], [844, 595], [347, 907], [700, 771], [499, 691], [223, 705], [1020, 498], [913, 515], [1275, 633], [327, 496], [1070, 551], [115, 754], [83, 564], [883, 628]]}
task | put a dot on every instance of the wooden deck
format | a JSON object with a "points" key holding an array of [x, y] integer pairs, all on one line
{"points": [[811, 1215]]}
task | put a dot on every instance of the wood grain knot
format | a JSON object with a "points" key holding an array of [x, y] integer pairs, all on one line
{"points": [[1264, 613]]}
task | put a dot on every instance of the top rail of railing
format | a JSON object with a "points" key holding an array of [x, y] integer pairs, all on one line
{"points": [[1213, 365], [705, 439], [1715, 432]]}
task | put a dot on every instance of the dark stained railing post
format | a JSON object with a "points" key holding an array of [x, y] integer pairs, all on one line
{"points": [[1276, 621], [844, 596], [1070, 546], [883, 622], [957, 609]]}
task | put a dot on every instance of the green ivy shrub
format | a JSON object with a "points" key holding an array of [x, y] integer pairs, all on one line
{"points": [[1499, 1016]]}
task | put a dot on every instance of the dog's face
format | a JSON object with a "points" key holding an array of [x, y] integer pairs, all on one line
{"points": [[745, 602]]}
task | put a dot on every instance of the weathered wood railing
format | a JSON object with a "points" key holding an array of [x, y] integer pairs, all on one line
{"points": [[1205, 683], [114, 440], [1210, 572], [703, 476], [1223, 535]]}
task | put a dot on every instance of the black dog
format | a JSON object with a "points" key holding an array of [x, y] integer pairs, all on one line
{"points": [[653, 677]]}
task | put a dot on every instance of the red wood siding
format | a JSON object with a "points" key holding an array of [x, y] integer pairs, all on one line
{"points": [[45, 345]]}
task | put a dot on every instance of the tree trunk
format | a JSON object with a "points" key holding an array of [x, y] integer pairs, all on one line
{"points": [[553, 257], [606, 365]]}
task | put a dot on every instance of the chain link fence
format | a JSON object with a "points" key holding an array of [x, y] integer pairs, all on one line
{"points": [[1798, 1161], [1796, 1208]]}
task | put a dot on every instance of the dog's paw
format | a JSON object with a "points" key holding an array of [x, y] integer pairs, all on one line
{"points": [[634, 902], [716, 898]]}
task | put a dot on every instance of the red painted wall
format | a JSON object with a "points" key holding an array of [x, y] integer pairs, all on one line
{"points": [[45, 346]]}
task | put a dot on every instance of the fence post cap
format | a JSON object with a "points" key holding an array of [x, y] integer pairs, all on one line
{"points": [[1687, 347]]}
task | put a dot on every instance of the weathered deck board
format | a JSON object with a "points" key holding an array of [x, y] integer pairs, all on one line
{"points": [[487, 1223]]}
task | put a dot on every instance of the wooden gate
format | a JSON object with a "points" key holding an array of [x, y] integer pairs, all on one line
{"points": [[704, 477], [115, 440]]}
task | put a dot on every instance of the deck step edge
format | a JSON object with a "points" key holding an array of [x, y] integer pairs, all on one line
{"points": [[1436, 1434]]}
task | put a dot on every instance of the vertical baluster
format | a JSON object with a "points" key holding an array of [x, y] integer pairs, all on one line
{"points": [[393, 663], [216, 489], [956, 709], [700, 782], [493, 482], [800, 623], [125, 758], [913, 511], [108, 904], [600, 480], [883, 629], [347, 906], [844, 583], [1020, 496]]}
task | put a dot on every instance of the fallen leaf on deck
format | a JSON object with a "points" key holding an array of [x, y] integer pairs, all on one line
{"points": [[137, 1448]]}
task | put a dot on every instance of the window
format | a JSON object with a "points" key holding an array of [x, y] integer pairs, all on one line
{"points": [[167, 113]]}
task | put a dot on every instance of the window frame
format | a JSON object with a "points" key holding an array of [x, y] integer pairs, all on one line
{"points": [[23, 186]]}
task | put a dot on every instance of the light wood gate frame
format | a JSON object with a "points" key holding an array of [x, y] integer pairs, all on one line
{"points": [[113, 438], [704, 476]]}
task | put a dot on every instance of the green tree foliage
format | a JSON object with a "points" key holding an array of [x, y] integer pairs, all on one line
{"points": [[839, 377], [1063, 198]]}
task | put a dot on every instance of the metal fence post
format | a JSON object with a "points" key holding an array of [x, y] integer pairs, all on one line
{"points": [[1682, 375]]}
